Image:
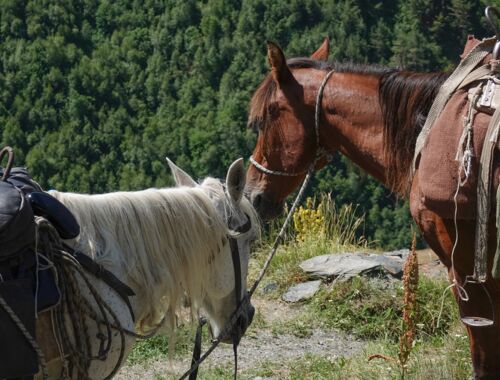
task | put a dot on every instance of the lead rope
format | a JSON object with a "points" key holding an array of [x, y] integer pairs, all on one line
{"points": [[234, 318], [277, 241]]}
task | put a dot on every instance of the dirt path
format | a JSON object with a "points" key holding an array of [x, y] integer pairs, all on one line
{"points": [[258, 347], [262, 345]]}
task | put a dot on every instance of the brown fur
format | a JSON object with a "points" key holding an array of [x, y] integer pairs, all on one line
{"points": [[371, 115]]}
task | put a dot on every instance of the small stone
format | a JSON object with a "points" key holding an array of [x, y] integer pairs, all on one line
{"points": [[270, 287], [302, 291]]}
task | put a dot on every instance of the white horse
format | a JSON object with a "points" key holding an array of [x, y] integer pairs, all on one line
{"points": [[166, 245]]}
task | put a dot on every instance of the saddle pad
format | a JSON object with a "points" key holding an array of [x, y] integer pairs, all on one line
{"points": [[438, 167], [17, 355]]}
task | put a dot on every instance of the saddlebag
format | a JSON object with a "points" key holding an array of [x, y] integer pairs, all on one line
{"points": [[17, 236]]}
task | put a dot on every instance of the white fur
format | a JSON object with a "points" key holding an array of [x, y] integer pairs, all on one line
{"points": [[167, 244]]}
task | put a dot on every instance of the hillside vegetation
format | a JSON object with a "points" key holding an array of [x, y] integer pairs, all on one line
{"points": [[354, 319], [94, 94]]}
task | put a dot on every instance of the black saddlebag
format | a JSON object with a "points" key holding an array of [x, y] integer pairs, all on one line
{"points": [[17, 236], [25, 287]]}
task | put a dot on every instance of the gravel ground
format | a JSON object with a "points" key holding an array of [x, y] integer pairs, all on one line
{"points": [[253, 351], [261, 346], [257, 347]]}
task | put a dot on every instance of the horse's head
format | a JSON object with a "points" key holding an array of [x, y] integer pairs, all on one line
{"points": [[282, 111], [226, 288]]}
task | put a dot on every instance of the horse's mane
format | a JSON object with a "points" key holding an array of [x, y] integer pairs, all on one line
{"points": [[165, 240], [405, 100], [265, 93]]}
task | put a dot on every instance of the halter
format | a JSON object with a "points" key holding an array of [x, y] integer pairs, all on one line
{"points": [[320, 152], [235, 256]]}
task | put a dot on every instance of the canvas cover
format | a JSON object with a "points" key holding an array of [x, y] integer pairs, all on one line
{"points": [[438, 167]]}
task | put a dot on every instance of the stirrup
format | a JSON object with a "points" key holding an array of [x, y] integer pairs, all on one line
{"points": [[475, 320]]}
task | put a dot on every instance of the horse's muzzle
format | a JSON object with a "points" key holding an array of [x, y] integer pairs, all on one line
{"points": [[267, 208], [244, 320]]}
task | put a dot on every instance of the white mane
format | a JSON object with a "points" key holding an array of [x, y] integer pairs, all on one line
{"points": [[163, 239]]}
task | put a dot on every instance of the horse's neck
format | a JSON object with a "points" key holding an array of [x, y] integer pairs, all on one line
{"points": [[354, 124]]}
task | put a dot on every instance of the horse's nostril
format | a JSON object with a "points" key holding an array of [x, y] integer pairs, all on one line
{"points": [[257, 200], [251, 313]]}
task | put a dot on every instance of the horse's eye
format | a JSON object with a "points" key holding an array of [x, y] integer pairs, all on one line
{"points": [[255, 125], [274, 110]]}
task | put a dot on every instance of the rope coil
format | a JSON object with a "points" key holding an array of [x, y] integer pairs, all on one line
{"points": [[74, 313]]}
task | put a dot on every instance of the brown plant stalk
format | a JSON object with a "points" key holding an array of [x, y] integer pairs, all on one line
{"points": [[410, 285]]}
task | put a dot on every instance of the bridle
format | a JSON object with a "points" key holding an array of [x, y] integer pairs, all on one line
{"points": [[240, 300], [320, 151], [197, 359]]}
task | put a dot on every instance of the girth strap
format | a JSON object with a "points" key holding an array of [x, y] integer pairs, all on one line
{"points": [[484, 199], [105, 275]]}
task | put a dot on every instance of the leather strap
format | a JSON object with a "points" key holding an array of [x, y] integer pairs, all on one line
{"points": [[480, 73], [10, 154], [123, 290], [235, 255], [484, 199], [197, 348]]}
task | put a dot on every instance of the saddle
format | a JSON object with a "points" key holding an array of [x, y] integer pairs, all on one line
{"points": [[442, 166], [457, 151], [24, 289]]}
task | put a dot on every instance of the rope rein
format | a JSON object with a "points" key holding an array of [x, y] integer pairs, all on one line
{"points": [[72, 316], [320, 153]]}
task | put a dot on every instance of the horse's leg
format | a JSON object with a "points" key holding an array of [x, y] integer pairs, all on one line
{"points": [[440, 235]]}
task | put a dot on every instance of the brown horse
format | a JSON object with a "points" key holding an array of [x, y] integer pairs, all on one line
{"points": [[372, 115]]}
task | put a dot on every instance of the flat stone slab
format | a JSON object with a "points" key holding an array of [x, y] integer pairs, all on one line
{"points": [[391, 264], [401, 253], [346, 265], [301, 292]]}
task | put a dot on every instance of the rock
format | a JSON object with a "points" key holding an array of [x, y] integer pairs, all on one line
{"points": [[402, 253], [343, 266], [302, 291], [391, 264], [270, 287], [346, 265]]}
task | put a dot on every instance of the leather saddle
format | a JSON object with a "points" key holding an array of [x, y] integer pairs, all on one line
{"points": [[23, 287]]}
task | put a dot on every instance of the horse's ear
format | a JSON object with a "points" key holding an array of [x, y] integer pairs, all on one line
{"points": [[323, 51], [181, 178], [279, 69], [235, 180]]}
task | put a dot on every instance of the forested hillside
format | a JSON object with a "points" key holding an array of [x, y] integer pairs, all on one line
{"points": [[94, 94]]}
